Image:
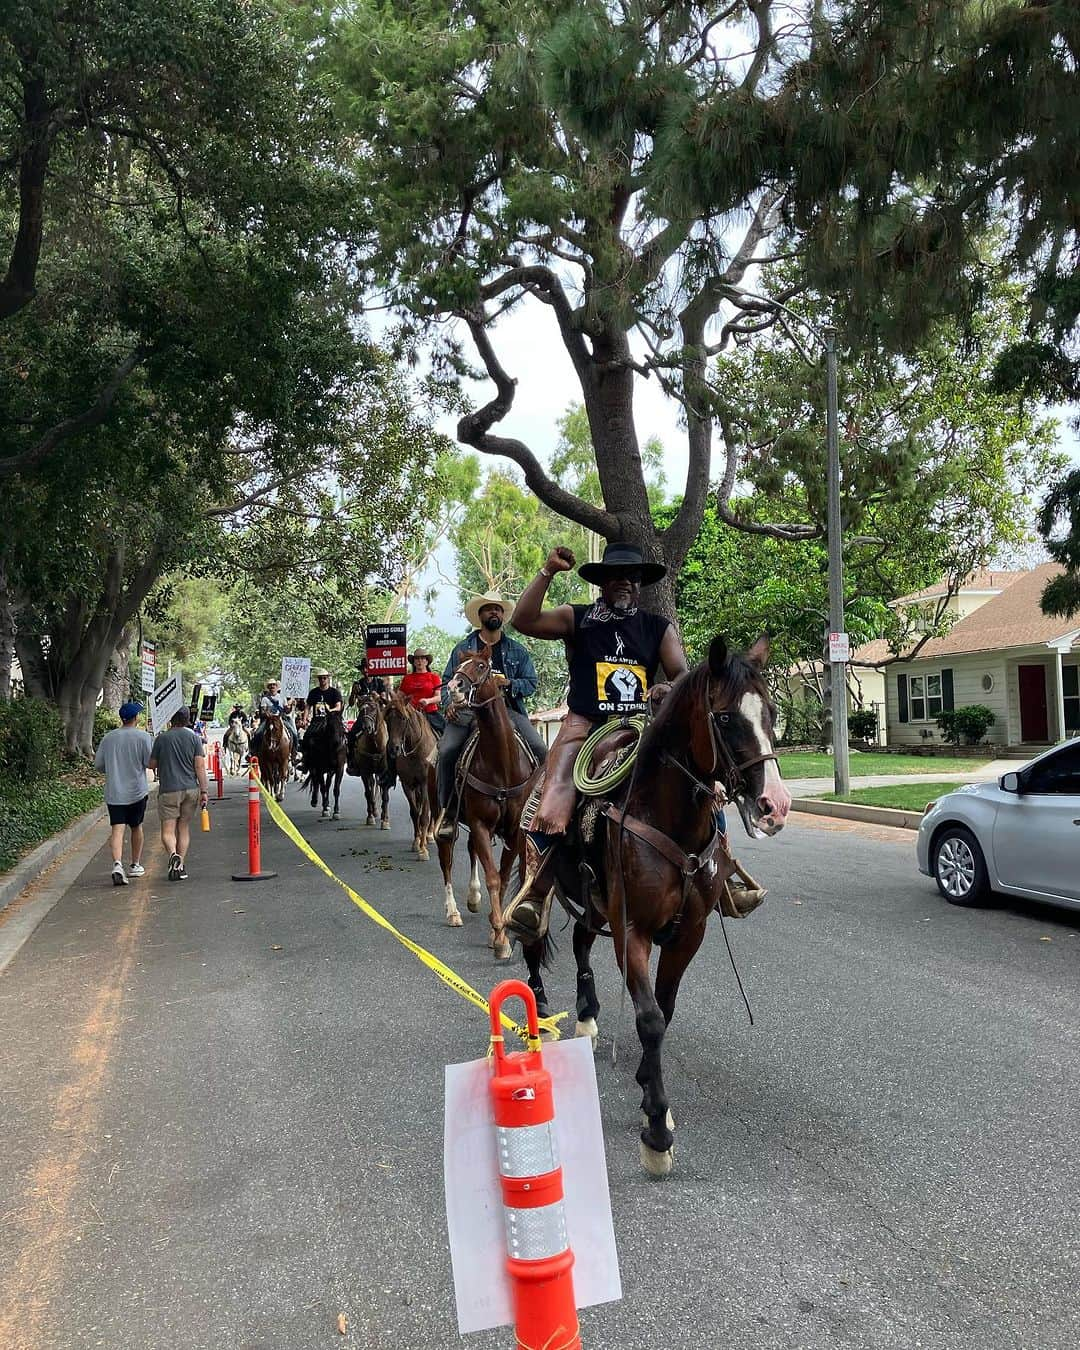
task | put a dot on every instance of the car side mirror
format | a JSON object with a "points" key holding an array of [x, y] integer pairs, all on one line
{"points": [[1010, 782]]}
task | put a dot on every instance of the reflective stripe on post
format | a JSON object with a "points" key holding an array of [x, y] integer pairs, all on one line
{"points": [[538, 1256]]}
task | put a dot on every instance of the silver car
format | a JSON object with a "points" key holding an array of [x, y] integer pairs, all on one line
{"points": [[1020, 835]]}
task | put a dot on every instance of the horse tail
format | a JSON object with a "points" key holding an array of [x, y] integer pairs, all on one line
{"points": [[547, 950]]}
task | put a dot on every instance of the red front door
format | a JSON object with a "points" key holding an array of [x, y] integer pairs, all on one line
{"points": [[1033, 723]]}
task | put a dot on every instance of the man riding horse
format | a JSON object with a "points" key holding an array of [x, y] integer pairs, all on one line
{"points": [[614, 649], [516, 675], [272, 704]]}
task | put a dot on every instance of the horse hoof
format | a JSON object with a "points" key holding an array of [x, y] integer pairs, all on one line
{"points": [[423, 854], [657, 1165], [588, 1028], [336, 815], [325, 815], [370, 820], [454, 920], [386, 825], [502, 948], [473, 902], [669, 1120]]}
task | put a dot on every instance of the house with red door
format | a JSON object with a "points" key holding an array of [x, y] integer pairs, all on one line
{"points": [[1002, 652]]}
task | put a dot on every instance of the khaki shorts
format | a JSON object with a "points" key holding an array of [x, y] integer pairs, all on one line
{"points": [[179, 805]]}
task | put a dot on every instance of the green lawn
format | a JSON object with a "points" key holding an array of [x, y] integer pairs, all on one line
{"points": [[806, 765], [903, 796]]}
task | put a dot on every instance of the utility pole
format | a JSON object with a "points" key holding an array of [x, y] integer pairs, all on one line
{"points": [[838, 667]]}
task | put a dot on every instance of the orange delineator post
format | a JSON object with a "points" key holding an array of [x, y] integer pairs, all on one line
{"points": [[254, 872], [539, 1260]]}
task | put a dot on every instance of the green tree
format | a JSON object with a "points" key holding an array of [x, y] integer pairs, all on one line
{"points": [[625, 167]]}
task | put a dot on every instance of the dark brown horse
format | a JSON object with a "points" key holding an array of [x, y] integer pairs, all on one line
{"points": [[494, 794], [367, 756], [411, 741], [275, 751], [325, 752], [659, 860]]}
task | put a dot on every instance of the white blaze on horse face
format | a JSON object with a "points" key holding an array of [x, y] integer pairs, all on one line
{"points": [[752, 707]]}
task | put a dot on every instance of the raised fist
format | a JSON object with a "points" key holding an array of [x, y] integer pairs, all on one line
{"points": [[560, 560]]}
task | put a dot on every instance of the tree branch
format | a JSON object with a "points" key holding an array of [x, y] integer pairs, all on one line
{"points": [[474, 429], [17, 287], [72, 426]]}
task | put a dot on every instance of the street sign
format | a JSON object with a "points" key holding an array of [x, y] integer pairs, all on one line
{"points": [[166, 699], [295, 676], [839, 647], [386, 649], [148, 660]]}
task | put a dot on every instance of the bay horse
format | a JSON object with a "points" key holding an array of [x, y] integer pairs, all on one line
{"points": [[275, 752], [367, 756], [411, 741], [325, 752], [493, 796], [236, 746], [658, 856]]}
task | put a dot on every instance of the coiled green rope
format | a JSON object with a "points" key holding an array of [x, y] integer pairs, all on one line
{"points": [[596, 787]]}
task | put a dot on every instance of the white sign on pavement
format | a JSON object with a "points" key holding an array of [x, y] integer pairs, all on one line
{"points": [[295, 676], [164, 701], [839, 647], [474, 1210]]}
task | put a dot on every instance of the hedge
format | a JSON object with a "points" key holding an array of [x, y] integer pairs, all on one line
{"points": [[30, 816], [31, 742]]}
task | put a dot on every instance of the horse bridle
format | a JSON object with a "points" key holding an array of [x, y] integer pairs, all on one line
{"points": [[726, 770], [474, 685]]}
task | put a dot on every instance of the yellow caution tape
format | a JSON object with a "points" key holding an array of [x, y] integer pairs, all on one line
{"points": [[448, 976]]}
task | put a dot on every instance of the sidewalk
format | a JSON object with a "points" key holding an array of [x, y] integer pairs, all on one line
{"points": [[813, 787]]}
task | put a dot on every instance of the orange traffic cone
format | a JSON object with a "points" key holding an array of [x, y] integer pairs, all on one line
{"points": [[539, 1260]]}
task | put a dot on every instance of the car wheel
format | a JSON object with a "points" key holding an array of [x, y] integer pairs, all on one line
{"points": [[959, 867]]}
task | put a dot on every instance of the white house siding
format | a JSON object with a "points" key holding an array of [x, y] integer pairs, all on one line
{"points": [[968, 671]]}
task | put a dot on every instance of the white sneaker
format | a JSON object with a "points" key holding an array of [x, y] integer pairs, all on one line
{"points": [[119, 876], [136, 870]]}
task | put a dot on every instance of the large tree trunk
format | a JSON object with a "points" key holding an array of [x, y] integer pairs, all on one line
{"points": [[117, 687], [7, 643]]}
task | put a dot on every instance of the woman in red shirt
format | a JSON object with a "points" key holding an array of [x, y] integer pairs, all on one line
{"points": [[422, 688]]}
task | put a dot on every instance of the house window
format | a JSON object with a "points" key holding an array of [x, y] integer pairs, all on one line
{"points": [[918, 698], [923, 698], [1070, 685], [933, 696]]}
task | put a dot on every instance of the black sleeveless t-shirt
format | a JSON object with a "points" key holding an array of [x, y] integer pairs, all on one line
{"points": [[613, 663]]}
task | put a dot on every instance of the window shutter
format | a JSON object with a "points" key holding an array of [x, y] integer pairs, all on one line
{"points": [[901, 689], [946, 691]]}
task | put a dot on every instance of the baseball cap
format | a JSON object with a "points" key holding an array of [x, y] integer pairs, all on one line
{"points": [[129, 710]]}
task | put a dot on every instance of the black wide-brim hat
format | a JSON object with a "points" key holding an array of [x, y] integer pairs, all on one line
{"points": [[617, 557]]}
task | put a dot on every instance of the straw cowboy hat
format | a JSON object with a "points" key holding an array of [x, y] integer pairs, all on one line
{"points": [[320, 673], [420, 651], [619, 557], [477, 603]]}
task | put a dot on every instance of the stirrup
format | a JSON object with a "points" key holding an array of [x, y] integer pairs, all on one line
{"points": [[527, 917], [446, 825]]}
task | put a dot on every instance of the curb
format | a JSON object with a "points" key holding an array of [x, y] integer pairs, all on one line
{"points": [[869, 815], [28, 869]]}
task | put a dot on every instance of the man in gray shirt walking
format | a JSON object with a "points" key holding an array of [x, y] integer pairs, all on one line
{"points": [[179, 757], [123, 756]]}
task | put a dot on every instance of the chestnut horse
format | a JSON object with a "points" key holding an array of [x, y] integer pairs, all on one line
{"points": [[275, 751], [367, 756], [494, 793], [411, 741], [657, 854]]}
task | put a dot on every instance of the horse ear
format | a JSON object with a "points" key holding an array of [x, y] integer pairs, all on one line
{"points": [[718, 655], [758, 654]]}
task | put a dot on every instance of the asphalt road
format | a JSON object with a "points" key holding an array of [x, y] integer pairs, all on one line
{"points": [[221, 1112]]}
